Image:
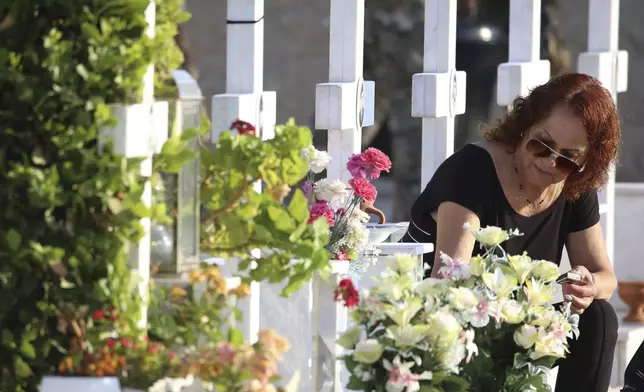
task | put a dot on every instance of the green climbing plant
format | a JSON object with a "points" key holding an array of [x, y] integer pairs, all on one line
{"points": [[67, 212]]}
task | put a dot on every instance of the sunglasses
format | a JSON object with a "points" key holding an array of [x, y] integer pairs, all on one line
{"points": [[564, 164]]}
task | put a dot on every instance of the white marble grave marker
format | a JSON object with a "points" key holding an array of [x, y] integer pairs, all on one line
{"points": [[346, 104], [607, 63], [524, 70], [245, 99], [438, 94]]}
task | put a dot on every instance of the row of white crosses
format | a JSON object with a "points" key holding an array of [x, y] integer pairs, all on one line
{"points": [[607, 63], [345, 104], [245, 99]]}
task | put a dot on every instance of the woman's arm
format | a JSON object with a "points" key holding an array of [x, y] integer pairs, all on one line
{"points": [[451, 238], [586, 248]]}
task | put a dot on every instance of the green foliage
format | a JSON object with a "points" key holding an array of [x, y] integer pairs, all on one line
{"points": [[238, 219], [66, 211]]}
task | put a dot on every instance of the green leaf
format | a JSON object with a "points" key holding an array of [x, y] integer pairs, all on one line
{"points": [[13, 239], [235, 337], [355, 384], [27, 350], [8, 339], [280, 218], [298, 207], [21, 368]]}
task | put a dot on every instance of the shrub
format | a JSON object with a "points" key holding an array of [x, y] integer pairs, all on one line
{"points": [[66, 211]]}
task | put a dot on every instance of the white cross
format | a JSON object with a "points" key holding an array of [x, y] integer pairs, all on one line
{"points": [[605, 62], [524, 69], [438, 94], [245, 99], [346, 104]]}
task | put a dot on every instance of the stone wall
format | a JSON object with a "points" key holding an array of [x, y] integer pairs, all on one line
{"points": [[296, 58]]}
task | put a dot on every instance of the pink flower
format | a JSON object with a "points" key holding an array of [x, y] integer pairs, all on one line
{"points": [[341, 255], [321, 209], [364, 189], [307, 188], [357, 166], [369, 164], [225, 352], [378, 160]]}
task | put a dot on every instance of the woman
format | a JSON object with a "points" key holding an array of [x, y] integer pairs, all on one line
{"points": [[538, 170]]}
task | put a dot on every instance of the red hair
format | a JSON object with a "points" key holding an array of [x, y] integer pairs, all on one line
{"points": [[591, 103]]}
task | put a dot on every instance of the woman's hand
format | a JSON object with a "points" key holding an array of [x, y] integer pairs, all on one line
{"points": [[580, 294]]}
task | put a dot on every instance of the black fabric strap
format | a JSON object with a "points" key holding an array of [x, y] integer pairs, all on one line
{"points": [[229, 21]]}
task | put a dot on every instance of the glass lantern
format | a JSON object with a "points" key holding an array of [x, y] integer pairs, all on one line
{"points": [[175, 248]]}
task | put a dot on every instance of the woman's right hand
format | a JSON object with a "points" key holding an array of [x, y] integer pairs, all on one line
{"points": [[452, 239]]}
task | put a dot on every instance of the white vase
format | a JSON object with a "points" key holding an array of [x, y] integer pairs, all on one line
{"points": [[84, 384]]}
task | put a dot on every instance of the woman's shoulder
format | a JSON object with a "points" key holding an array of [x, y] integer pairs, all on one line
{"points": [[473, 161]]}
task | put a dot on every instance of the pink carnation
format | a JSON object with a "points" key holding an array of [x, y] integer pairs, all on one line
{"points": [[369, 164], [357, 166], [364, 189], [378, 159], [321, 209]]}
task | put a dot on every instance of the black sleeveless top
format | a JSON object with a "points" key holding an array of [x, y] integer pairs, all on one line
{"points": [[469, 178]]}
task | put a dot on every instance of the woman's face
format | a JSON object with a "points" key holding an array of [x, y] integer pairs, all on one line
{"points": [[567, 140]]}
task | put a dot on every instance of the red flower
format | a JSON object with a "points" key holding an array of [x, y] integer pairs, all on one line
{"points": [[155, 347], [364, 189], [243, 127], [172, 355], [127, 343], [98, 315], [342, 255], [347, 292], [110, 343], [321, 209]]}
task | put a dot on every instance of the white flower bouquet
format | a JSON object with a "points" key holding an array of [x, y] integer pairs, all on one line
{"points": [[507, 299], [340, 204], [486, 325], [400, 342]]}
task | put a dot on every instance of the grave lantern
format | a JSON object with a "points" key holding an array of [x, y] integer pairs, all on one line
{"points": [[175, 248]]}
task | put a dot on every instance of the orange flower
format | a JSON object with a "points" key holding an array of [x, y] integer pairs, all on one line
{"points": [[177, 292], [196, 276], [243, 290]]}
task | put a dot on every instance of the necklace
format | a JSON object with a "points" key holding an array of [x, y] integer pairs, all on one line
{"points": [[533, 202]]}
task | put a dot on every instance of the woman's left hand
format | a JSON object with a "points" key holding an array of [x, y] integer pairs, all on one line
{"points": [[581, 294]]}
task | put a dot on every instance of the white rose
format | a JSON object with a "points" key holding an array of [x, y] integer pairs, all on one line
{"points": [[403, 264], [368, 351], [445, 326], [491, 236], [526, 336], [522, 265], [545, 271], [349, 338], [334, 192], [513, 311], [463, 298], [547, 345]]}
